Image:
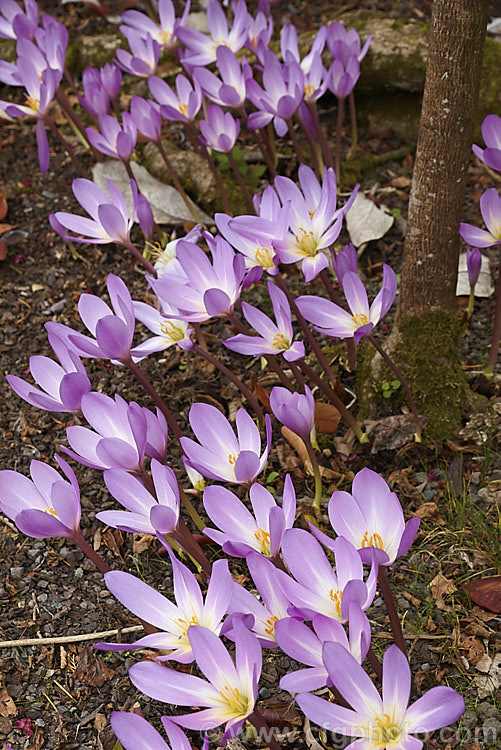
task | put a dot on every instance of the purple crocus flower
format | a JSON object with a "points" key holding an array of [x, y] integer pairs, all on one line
{"points": [[182, 106], [164, 32], [146, 117], [111, 220], [344, 43], [343, 77], [274, 338], [241, 532], [172, 620], [113, 139], [142, 60], [112, 328], [120, 437], [345, 260], [231, 90], [142, 515], [281, 95], [274, 606], [16, 23], [317, 588], [211, 289], [221, 455], [295, 410], [45, 505], [95, 98], [491, 133], [386, 722], [259, 30], [290, 49], [329, 318], [145, 218], [63, 385], [490, 207], [52, 39], [111, 78], [220, 130], [474, 264], [202, 49], [168, 331], [371, 519], [230, 692], [133, 731], [314, 221], [166, 260], [299, 642]]}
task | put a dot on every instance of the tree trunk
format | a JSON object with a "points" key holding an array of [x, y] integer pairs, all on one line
{"points": [[431, 249]]}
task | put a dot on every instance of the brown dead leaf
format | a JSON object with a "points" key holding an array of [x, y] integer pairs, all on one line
{"points": [[7, 705], [263, 395], [300, 448], [327, 417], [91, 670], [141, 543], [400, 182], [100, 722], [3, 206], [482, 615], [3, 249], [474, 648], [440, 586], [430, 512], [392, 433], [487, 592]]}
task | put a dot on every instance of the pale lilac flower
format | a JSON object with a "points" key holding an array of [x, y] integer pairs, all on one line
{"points": [[280, 96], [305, 646], [200, 48], [142, 515], [474, 264], [52, 39], [172, 620], [61, 385], [259, 31], [95, 98], [168, 331], [265, 615], [211, 289], [491, 133], [295, 410], [114, 139], [220, 130], [111, 79], [314, 221], [371, 518], [146, 117], [164, 32], [121, 435], [343, 77], [318, 589], [241, 532], [230, 693], [290, 49], [344, 261], [142, 60], [316, 82], [490, 207], [329, 318], [16, 23], [133, 732], [166, 260], [182, 106], [112, 328], [386, 722], [253, 236], [221, 455], [45, 505], [274, 338], [145, 218], [344, 43], [231, 90], [111, 220]]}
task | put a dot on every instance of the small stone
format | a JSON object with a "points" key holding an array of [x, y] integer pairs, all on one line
{"points": [[16, 572], [78, 573], [265, 693], [42, 598]]}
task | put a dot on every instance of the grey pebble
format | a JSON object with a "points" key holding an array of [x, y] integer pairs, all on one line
{"points": [[16, 571]]}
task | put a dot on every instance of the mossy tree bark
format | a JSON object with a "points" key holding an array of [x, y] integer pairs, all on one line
{"points": [[426, 317]]}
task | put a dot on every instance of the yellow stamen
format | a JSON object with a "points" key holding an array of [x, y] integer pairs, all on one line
{"points": [[270, 625], [336, 598], [33, 103], [264, 257], [232, 459], [183, 108], [263, 537], [237, 704], [51, 512], [309, 89], [360, 319], [185, 624], [280, 342], [172, 331], [306, 241], [374, 540], [164, 36], [386, 731]]}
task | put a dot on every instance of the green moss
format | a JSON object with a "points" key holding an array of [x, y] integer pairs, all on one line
{"points": [[490, 91]]}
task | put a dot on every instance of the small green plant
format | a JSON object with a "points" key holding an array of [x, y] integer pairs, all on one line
{"points": [[390, 388]]}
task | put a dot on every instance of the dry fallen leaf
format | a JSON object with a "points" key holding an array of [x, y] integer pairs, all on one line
{"points": [[487, 593], [91, 670], [327, 417], [440, 586], [489, 681], [7, 705], [429, 512], [365, 221], [3, 206]]}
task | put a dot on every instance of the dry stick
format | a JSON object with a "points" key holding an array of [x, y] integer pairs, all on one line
{"points": [[56, 639], [157, 399], [294, 139], [353, 121], [175, 179], [67, 146], [140, 257], [241, 182], [339, 127], [496, 332], [201, 148], [391, 364], [234, 379], [335, 400], [324, 145], [391, 608], [351, 348]]}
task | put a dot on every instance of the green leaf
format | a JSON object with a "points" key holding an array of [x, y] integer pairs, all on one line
{"points": [[386, 394], [385, 386], [395, 384]]}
